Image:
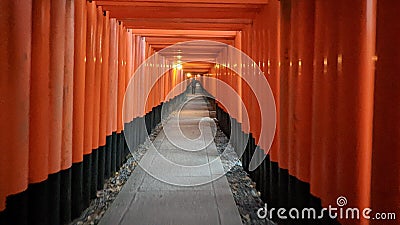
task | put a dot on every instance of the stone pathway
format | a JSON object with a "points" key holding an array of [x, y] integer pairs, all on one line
{"points": [[173, 184]]}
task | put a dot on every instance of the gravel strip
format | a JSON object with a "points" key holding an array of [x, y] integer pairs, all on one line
{"points": [[244, 190], [113, 185]]}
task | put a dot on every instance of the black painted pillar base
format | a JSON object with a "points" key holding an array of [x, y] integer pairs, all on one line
{"points": [[77, 205], [126, 149], [3, 217], [120, 147], [108, 153], [16, 212], [114, 153], [101, 167], [54, 181], [38, 199], [65, 196], [87, 179], [94, 173]]}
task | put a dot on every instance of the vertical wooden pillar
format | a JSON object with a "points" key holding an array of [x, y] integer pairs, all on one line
{"points": [[128, 74], [66, 145], [273, 67], [97, 79], [57, 57], [113, 88], [128, 68], [104, 99], [89, 99], [121, 78], [121, 92], [57, 54], [66, 155], [284, 101], [104, 137], [356, 48], [292, 132], [323, 109], [78, 123], [245, 86], [303, 92], [39, 112], [15, 61], [385, 192], [39, 92], [107, 72], [96, 101], [90, 75]]}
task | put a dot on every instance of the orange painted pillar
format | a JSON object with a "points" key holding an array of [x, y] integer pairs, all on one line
{"points": [[154, 87], [245, 85], [105, 101], [128, 58], [297, 92], [125, 74], [104, 96], [15, 53], [4, 105], [97, 78], [67, 116], [90, 75], [134, 67], [328, 164], [110, 72], [292, 73], [121, 77], [302, 77], [145, 79], [356, 48], [39, 93], [113, 82], [120, 94], [249, 90], [273, 70], [96, 100], [78, 124], [331, 68], [303, 107], [168, 83], [113, 90], [103, 169], [133, 70], [166, 77], [89, 99], [56, 84], [66, 148], [57, 54], [137, 64], [256, 54], [321, 105], [385, 192], [291, 69], [284, 83], [128, 74], [284, 153]]}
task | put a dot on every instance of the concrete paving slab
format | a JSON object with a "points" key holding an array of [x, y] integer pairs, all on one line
{"points": [[184, 158], [172, 207], [153, 184]]}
